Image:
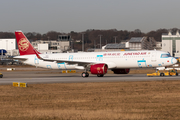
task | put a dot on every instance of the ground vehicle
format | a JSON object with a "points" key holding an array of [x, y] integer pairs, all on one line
{"points": [[1, 75], [169, 73], [173, 72], [158, 74]]}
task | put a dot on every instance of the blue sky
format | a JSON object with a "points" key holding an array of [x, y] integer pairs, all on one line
{"points": [[79, 15]]}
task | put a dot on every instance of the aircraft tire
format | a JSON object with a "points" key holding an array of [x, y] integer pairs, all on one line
{"points": [[85, 74], [100, 75], [162, 74]]}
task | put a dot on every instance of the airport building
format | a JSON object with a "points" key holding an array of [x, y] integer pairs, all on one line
{"points": [[171, 43], [53, 46], [9, 45], [142, 43], [135, 43], [62, 44]]}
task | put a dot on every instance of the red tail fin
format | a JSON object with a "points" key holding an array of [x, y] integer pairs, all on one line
{"points": [[25, 47]]}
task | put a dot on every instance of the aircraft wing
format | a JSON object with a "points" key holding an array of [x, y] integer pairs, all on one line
{"points": [[80, 63]]}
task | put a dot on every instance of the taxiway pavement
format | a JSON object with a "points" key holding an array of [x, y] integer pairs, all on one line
{"points": [[55, 76]]}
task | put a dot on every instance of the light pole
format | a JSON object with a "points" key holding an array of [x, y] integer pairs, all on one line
{"points": [[100, 40], [83, 42], [94, 44], [115, 38]]}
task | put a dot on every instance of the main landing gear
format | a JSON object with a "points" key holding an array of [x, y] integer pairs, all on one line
{"points": [[100, 75], [85, 74]]}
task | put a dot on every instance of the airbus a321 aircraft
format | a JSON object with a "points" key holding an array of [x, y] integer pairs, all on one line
{"points": [[98, 63]]}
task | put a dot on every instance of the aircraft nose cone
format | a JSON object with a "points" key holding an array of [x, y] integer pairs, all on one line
{"points": [[174, 61]]}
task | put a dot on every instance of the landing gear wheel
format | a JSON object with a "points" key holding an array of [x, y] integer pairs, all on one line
{"points": [[162, 74], [85, 74], [100, 75]]}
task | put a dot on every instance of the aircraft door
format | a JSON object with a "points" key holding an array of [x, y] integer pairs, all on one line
{"points": [[36, 61], [153, 56]]}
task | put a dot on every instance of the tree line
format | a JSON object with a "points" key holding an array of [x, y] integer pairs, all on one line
{"points": [[92, 36]]}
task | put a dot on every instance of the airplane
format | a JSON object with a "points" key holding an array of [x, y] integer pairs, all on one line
{"points": [[98, 63]]}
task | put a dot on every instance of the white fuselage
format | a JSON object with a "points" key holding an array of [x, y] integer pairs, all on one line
{"points": [[120, 59]]}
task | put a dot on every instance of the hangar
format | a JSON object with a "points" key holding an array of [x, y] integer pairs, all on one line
{"points": [[171, 43]]}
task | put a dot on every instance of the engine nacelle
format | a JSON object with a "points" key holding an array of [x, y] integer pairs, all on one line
{"points": [[99, 69], [121, 71]]}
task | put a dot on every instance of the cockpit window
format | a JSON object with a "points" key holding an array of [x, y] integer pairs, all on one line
{"points": [[165, 55]]}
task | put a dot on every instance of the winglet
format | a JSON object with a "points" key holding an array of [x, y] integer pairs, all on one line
{"points": [[37, 54]]}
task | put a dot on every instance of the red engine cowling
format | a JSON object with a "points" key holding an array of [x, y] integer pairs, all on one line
{"points": [[99, 69], [121, 71]]}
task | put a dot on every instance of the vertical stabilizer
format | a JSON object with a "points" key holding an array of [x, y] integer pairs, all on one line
{"points": [[25, 47]]}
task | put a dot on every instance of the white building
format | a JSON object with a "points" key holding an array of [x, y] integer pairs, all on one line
{"points": [[171, 43], [8, 44], [43, 46], [59, 45]]}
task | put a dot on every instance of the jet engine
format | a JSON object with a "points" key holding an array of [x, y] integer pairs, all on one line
{"points": [[121, 71], [98, 69]]}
